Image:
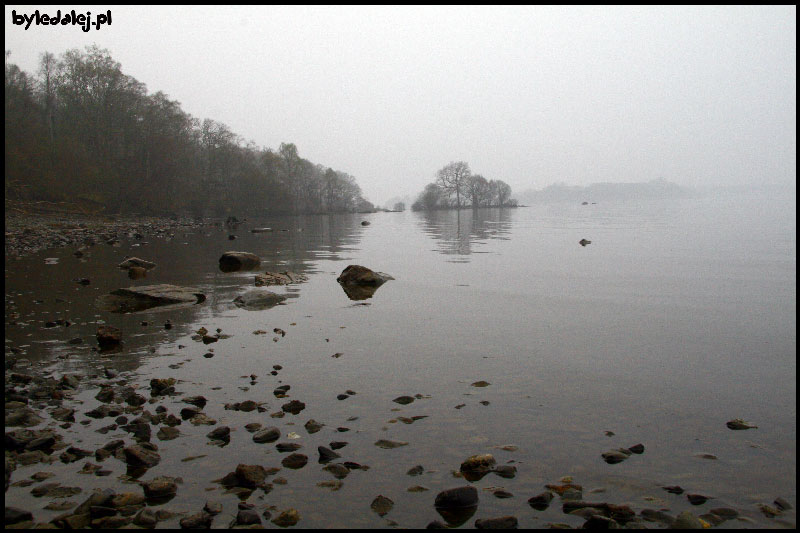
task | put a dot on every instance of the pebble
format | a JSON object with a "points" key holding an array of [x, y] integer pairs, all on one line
{"points": [[501, 522], [287, 518], [270, 434], [686, 520], [388, 444], [295, 461], [466, 496], [381, 505]]}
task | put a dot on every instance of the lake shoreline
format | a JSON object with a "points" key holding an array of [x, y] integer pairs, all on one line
{"points": [[26, 234]]}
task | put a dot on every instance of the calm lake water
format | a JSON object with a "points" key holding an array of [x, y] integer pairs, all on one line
{"points": [[679, 316]]}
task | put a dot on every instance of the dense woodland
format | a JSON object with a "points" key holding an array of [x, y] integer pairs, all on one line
{"points": [[456, 187], [83, 133]]}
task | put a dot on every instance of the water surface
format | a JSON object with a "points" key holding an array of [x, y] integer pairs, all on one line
{"points": [[679, 316]]}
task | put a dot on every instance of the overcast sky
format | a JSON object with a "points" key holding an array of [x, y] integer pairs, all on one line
{"points": [[529, 95]]}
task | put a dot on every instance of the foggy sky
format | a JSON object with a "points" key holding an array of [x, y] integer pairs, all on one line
{"points": [[530, 95]]}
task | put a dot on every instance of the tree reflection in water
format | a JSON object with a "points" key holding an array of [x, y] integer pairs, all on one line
{"points": [[457, 231]]}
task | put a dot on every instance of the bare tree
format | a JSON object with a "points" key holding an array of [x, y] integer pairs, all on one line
{"points": [[478, 190], [453, 179], [47, 71]]}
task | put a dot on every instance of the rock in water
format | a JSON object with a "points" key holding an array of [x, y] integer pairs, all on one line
{"points": [[360, 283], [738, 423], [584, 242], [458, 497], [457, 505], [233, 261], [279, 278], [359, 275], [136, 262], [134, 299], [258, 299], [382, 505], [108, 337]]}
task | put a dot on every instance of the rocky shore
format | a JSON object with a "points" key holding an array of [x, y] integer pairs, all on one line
{"points": [[26, 234]]}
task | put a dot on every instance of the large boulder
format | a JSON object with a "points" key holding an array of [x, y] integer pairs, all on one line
{"points": [[133, 299], [258, 299], [234, 261]]}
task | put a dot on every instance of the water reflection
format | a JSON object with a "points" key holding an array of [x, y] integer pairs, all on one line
{"points": [[457, 232], [41, 292]]}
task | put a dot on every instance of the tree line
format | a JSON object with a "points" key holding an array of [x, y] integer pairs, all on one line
{"points": [[83, 132], [456, 187]]}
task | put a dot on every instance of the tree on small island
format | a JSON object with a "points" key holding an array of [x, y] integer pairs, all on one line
{"points": [[455, 183]]}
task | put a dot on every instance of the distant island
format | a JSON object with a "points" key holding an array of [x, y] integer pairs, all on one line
{"points": [[456, 187], [560, 192]]}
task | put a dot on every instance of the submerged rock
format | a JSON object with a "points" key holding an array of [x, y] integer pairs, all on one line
{"points": [[134, 299], [258, 299], [135, 262], [279, 278], [389, 444]]}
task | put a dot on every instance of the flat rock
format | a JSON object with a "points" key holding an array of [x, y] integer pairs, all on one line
{"points": [[739, 424], [141, 298], [135, 262], [388, 444], [279, 278], [404, 400], [258, 299], [614, 457]]}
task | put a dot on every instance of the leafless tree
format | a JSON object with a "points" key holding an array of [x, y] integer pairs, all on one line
{"points": [[453, 179]]}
